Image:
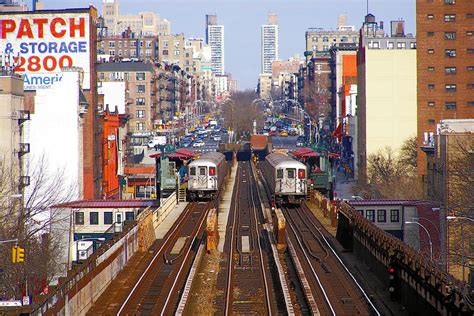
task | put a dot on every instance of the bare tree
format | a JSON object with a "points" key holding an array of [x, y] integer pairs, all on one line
{"points": [[241, 111], [392, 175], [26, 215]]}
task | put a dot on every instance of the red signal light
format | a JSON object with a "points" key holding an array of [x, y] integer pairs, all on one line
{"points": [[212, 171], [391, 270], [301, 173]]}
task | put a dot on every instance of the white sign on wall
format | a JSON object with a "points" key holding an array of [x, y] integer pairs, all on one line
{"points": [[43, 43]]}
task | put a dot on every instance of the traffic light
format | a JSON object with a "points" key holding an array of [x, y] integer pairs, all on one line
{"points": [[18, 254]]}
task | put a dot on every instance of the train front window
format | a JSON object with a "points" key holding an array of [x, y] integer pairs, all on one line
{"points": [[202, 171], [291, 173], [192, 171], [280, 174]]}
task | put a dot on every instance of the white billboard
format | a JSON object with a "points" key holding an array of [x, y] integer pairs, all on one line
{"points": [[43, 43]]}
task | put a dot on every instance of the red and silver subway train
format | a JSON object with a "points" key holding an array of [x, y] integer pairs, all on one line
{"points": [[206, 176], [286, 178]]}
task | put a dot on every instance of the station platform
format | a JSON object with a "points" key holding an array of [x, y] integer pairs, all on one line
{"points": [[224, 207], [169, 220]]}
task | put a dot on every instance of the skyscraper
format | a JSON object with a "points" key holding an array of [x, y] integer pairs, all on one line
{"points": [[269, 43], [215, 38], [445, 66]]}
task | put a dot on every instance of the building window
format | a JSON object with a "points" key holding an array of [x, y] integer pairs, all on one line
{"points": [[141, 88], [140, 126], [430, 34], [140, 113], [430, 50], [344, 39], [381, 216], [470, 86], [470, 68], [450, 53], [431, 68], [401, 45], [79, 218], [315, 39], [430, 16], [431, 86], [108, 218], [450, 87], [470, 103], [469, 33], [431, 122], [94, 218], [140, 76], [449, 1], [129, 216], [469, 16], [450, 35], [111, 44], [390, 45], [450, 105], [470, 51], [394, 216], [431, 104], [370, 215], [450, 70], [325, 39], [112, 52], [449, 17], [413, 45], [176, 52], [140, 101]]}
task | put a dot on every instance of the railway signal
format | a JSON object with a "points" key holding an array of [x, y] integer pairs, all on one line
{"points": [[393, 282]]}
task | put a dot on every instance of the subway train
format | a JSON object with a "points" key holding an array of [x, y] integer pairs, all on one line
{"points": [[286, 178], [206, 176]]}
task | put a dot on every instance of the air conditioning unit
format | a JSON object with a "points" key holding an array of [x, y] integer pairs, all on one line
{"points": [[24, 148]]}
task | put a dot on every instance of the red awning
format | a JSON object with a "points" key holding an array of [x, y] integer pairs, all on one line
{"points": [[186, 153], [308, 155], [333, 155], [302, 151], [155, 155]]}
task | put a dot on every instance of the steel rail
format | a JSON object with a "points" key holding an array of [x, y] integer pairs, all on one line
{"points": [[171, 292], [262, 267], [231, 252], [188, 211], [303, 249], [347, 270]]}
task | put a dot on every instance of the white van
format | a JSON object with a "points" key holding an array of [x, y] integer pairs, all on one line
{"points": [[157, 141]]}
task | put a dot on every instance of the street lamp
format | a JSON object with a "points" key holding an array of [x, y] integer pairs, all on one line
{"points": [[459, 217], [429, 236]]}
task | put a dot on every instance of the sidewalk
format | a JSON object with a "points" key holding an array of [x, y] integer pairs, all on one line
{"points": [[343, 188]]}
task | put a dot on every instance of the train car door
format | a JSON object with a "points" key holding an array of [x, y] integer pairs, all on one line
{"points": [[290, 180], [202, 177], [279, 181]]}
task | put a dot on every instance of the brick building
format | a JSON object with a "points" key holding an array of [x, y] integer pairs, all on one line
{"points": [[445, 66]]}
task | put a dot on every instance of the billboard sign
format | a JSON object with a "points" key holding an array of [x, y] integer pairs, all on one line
{"points": [[43, 43]]}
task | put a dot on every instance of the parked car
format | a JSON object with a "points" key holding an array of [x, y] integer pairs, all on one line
{"points": [[217, 138], [284, 133], [300, 141]]}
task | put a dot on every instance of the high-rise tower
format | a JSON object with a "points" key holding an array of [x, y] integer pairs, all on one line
{"points": [[269, 44], [215, 38]]}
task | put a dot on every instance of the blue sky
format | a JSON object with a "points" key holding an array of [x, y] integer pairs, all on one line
{"points": [[242, 20]]}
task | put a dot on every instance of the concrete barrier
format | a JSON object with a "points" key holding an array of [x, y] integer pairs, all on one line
{"points": [[84, 284], [279, 230], [160, 214], [76, 293]]}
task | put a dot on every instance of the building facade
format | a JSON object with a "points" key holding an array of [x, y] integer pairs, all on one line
{"points": [[127, 46], [445, 66], [269, 44], [387, 99], [215, 39]]}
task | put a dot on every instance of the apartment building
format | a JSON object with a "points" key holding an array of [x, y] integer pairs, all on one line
{"points": [[144, 23], [445, 66], [215, 39], [128, 46], [141, 101], [171, 49], [269, 44], [14, 136]]}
